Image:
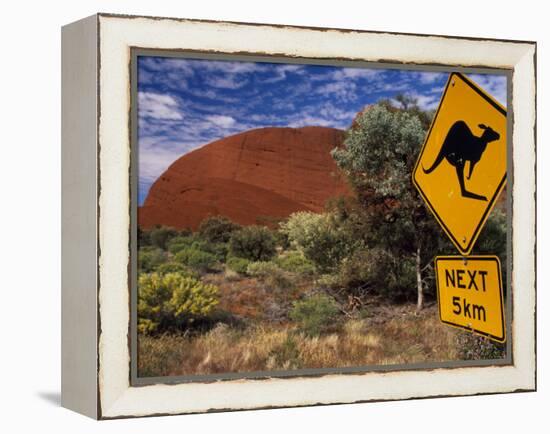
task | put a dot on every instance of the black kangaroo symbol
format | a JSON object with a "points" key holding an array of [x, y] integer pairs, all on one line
{"points": [[460, 146]]}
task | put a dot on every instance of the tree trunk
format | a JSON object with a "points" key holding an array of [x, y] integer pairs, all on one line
{"points": [[419, 289]]}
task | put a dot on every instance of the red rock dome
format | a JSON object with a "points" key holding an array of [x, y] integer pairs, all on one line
{"points": [[255, 177]]}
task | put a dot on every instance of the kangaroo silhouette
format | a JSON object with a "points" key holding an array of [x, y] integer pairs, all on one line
{"points": [[461, 145]]}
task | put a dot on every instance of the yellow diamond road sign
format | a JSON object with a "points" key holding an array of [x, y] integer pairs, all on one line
{"points": [[461, 169], [470, 294]]}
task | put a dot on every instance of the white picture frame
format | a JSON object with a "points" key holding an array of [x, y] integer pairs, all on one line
{"points": [[96, 136]]}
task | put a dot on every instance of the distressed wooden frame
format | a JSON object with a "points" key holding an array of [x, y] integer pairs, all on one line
{"points": [[96, 355]]}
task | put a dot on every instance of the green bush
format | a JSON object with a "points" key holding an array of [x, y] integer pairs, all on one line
{"points": [[474, 347], [320, 240], [149, 258], [255, 243], [172, 300], [357, 270], [217, 229], [262, 269], [315, 314], [143, 237], [196, 259], [295, 262], [239, 265], [179, 243], [161, 235], [219, 250], [175, 267], [270, 273]]}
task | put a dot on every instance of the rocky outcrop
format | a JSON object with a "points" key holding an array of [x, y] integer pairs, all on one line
{"points": [[255, 177]]}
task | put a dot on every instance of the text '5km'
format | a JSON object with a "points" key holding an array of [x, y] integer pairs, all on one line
{"points": [[470, 294]]}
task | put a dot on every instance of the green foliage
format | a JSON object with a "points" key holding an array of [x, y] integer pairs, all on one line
{"points": [[149, 258], [475, 347], [318, 237], [314, 314], [172, 300], [196, 259], [262, 269], [378, 157], [239, 265], [295, 262], [219, 250], [179, 243], [160, 236], [143, 237], [270, 273], [354, 272], [175, 267], [217, 229], [380, 152], [492, 240], [255, 243]]}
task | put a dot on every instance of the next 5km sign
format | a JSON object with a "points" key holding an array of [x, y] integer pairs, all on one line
{"points": [[470, 294]]}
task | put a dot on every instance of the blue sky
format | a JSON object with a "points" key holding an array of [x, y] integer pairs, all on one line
{"points": [[186, 103]]}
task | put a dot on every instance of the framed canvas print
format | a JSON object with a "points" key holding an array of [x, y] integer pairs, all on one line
{"points": [[260, 216]]}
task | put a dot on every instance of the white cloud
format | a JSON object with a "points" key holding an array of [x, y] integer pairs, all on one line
{"points": [[156, 156], [329, 111], [495, 85], [158, 106], [425, 102], [308, 121], [431, 77], [229, 67], [221, 120], [226, 82], [356, 73], [344, 90], [280, 72]]}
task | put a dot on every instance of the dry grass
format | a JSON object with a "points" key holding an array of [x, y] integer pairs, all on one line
{"points": [[402, 337]]}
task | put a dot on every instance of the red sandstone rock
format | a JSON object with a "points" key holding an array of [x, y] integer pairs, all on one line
{"points": [[253, 177]]}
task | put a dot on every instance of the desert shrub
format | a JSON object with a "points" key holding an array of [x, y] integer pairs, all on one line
{"points": [[196, 259], [143, 237], [295, 262], [179, 243], [356, 270], [319, 239], [149, 258], [262, 269], [239, 265], [176, 267], [314, 314], [390, 275], [492, 240], [161, 235], [475, 347], [219, 250], [279, 280], [217, 229], [172, 300], [255, 243], [281, 239], [328, 280], [271, 274]]}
